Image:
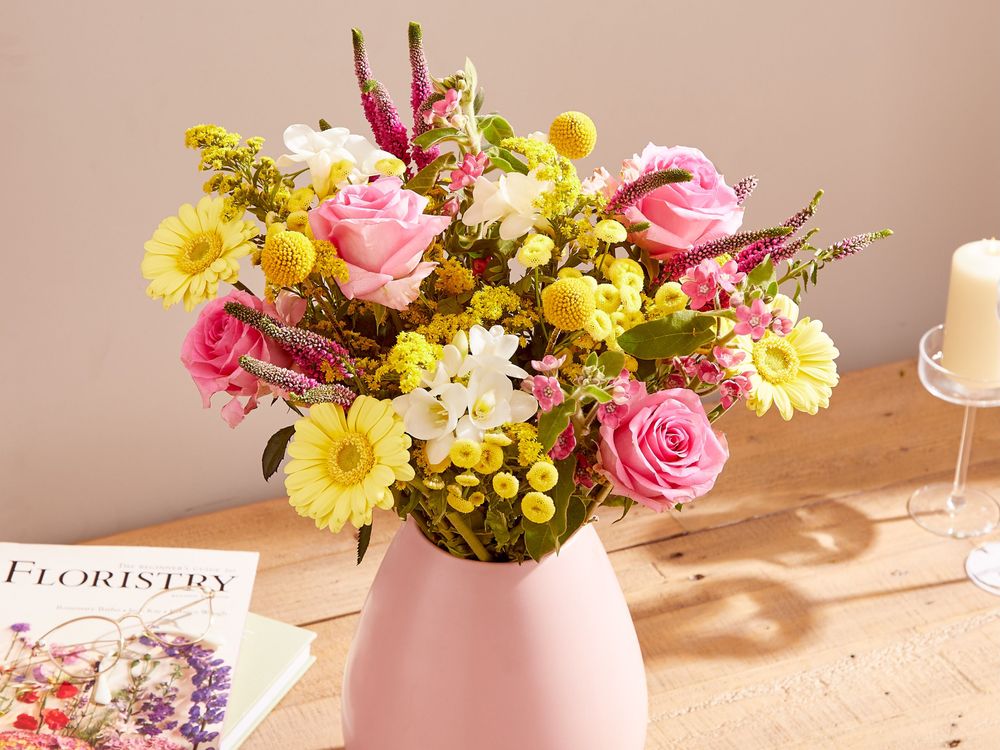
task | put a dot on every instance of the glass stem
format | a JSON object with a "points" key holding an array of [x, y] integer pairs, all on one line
{"points": [[956, 501]]}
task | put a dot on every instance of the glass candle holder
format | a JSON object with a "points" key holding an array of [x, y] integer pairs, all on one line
{"points": [[954, 509]]}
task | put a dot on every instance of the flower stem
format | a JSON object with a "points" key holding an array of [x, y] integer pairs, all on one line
{"points": [[469, 536], [596, 502]]}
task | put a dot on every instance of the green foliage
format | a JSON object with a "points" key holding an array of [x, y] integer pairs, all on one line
{"points": [[611, 363], [676, 335], [364, 538], [504, 159], [495, 128], [435, 136], [552, 424], [274, 451], [542, 538], [426, 178]]}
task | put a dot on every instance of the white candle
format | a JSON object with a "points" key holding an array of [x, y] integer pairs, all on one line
{"points": [[971, 345]]}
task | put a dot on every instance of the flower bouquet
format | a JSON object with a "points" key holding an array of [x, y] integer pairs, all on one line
{"points": [[474, 337]]}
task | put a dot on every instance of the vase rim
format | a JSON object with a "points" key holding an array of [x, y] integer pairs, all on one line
{"points": [[499, 563]]}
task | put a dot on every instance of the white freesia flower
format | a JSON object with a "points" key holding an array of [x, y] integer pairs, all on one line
{"points": [[492, 349], [444, 411], [432, 415], [493, 401], [510, 200], [335, 157]]}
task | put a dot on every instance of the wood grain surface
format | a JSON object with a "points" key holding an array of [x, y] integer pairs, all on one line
{"points": [[796, 606]]}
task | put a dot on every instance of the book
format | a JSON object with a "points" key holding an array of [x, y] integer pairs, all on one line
{"points": [[120, 648], [273, 657]]}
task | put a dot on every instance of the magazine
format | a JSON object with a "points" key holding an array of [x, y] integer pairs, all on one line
{"points": [[119, 648]]}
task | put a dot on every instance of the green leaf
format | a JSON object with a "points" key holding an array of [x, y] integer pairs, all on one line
{"points": [[611, 363], [428, 139], [599, 395], [591, 360], [497, 520], [538, 539], [619, 501], [542, 538], [676, 335], [477, 103], [426, 178], [551, 424], [503, 159], [576, 514], [763, 274], [364, 537], [274, 451], [495, 128]]}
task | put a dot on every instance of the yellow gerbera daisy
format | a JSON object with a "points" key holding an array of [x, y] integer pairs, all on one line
{"points": [[796, 372], [343, 464], [189, 254]]}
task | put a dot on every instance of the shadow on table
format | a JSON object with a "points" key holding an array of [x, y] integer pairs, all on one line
{"points": [[824, 533], [744, 615], [731, 617]]}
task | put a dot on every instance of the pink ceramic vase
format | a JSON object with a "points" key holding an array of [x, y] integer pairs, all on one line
{"points": [[454, 654]]}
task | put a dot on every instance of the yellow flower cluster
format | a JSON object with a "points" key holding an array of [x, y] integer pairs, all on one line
{"points": [[247, 181], [453, 278], [535, 251], [408, 358], [329, 265], [488, 458], [529, 450], [563, 198]]}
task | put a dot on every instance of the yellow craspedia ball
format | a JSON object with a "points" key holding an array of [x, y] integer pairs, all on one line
{"points": [[542, 476], [573, 134], [538, 507], [568, 303], [287, 258]]}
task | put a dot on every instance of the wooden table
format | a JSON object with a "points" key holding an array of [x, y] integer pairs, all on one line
{"points": [[797, 606]]}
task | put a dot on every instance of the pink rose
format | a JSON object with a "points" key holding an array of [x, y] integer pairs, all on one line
{"points": [[682, 214], [212, 349], [380, 231], [663, 451]]}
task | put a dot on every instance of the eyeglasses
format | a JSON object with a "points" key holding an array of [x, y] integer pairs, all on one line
{"points": [[85, 647]]}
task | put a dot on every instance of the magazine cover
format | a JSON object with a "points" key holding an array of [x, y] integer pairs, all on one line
{"points": [[118, 648]]}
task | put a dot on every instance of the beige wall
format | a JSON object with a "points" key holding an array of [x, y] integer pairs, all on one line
{"points": [[893, 107]]}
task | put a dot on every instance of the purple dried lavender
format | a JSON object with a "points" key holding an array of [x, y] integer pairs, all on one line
{"points": [[302, 386], [797, 220], [676, 267], [308, 350], [744, 188], [852, 245], [629, 193], [420, 91], [20, 627], [390, 133]]}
